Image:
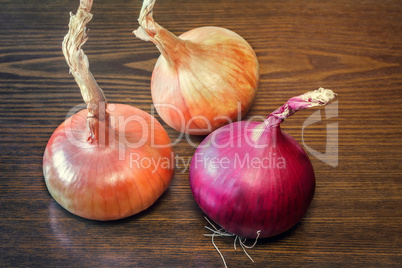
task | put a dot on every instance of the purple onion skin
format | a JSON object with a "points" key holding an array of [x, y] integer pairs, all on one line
{"points": [[270, 196]]}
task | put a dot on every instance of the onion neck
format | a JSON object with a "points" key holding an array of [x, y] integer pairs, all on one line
{"points": [[172, 48], [79, 68], [319, 97]]}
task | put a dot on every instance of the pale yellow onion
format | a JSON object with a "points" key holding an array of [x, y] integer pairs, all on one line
{"points": [[205, 78]]}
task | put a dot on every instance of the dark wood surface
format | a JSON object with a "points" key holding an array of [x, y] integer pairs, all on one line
{"points": [[351, 47]]}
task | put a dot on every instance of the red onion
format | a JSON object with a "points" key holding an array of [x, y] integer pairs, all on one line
{"points": [[204, 79], [108, 161], [252, 178]]}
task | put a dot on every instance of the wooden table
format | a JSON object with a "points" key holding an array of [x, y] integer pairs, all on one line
{"points": [[351, 47]]}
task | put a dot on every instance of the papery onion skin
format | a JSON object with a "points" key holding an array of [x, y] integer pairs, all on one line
{"points": [[196, 97], [204, 79], [269, 196], [107, 181]]}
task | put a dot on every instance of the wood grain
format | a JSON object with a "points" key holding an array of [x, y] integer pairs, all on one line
{"points": [[354, 48]]}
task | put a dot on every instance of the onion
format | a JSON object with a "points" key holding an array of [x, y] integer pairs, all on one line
{"points": [[253, 179], [108, 161], [204, 79]]}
